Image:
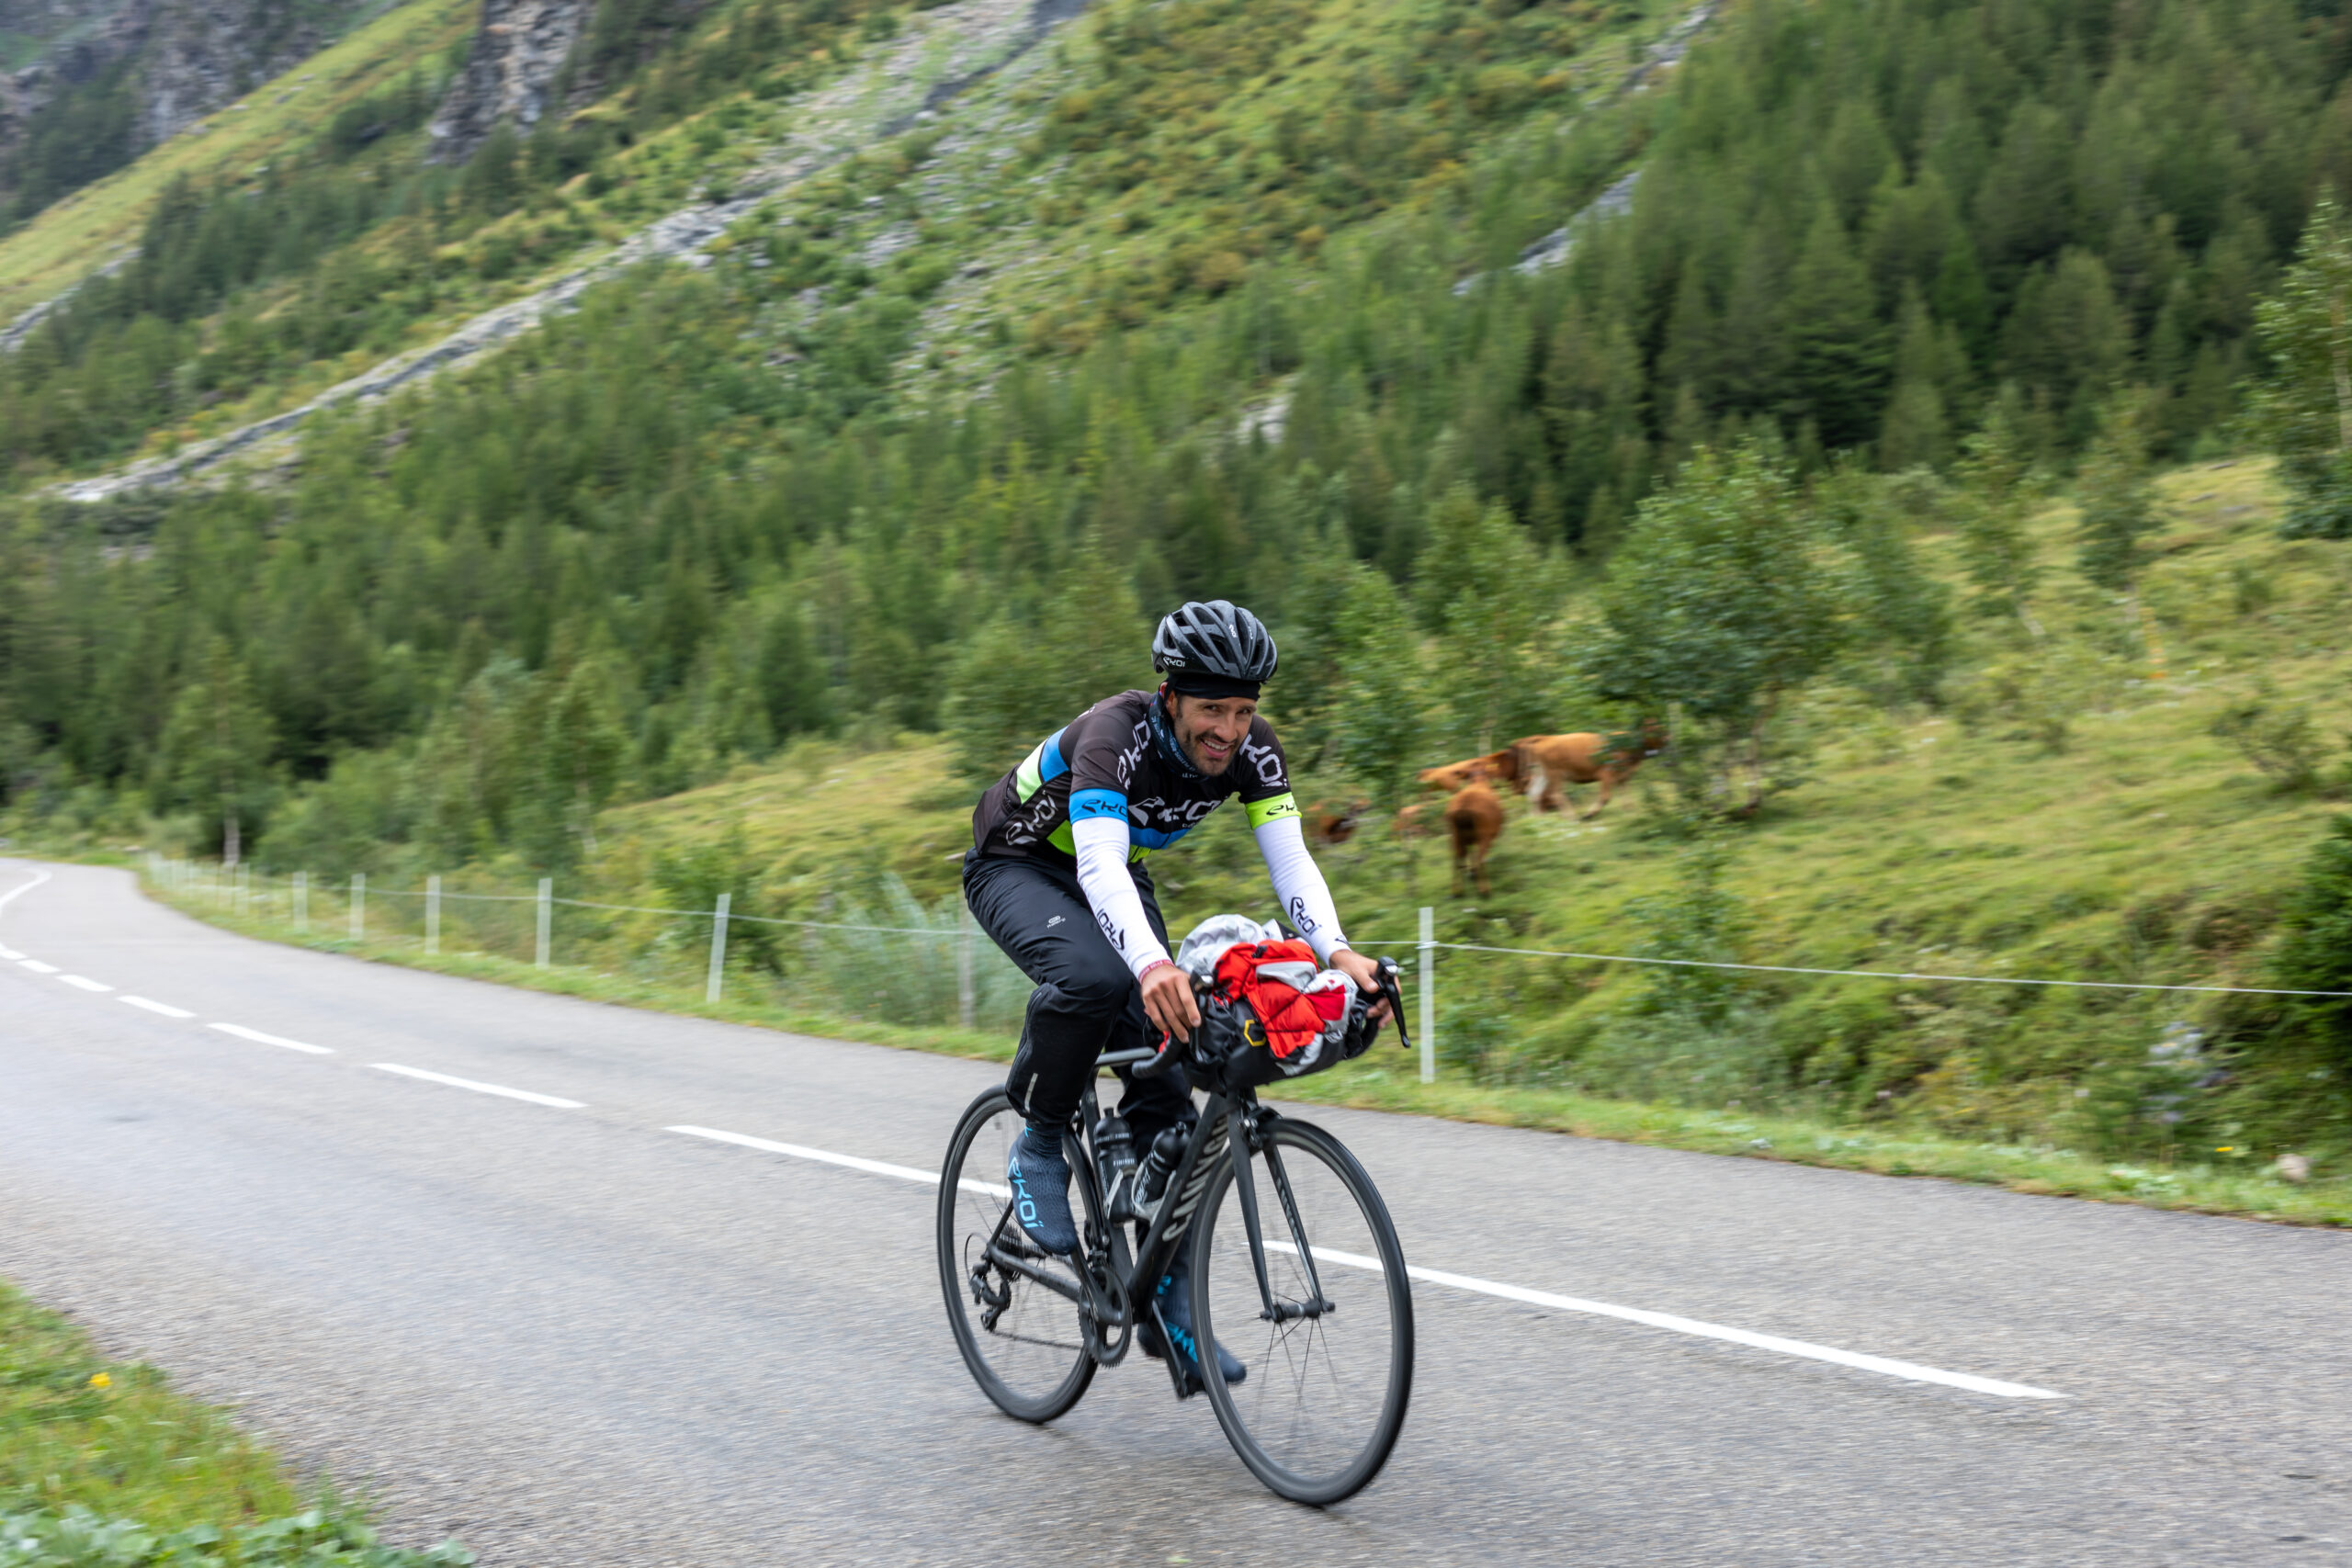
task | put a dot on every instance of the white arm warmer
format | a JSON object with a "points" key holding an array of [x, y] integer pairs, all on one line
{"points": [[1306, 902], [1101, 844]]}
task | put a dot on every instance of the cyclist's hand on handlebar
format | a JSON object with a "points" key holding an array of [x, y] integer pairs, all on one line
{"points": [[1365, 973], [1168, 1001]]}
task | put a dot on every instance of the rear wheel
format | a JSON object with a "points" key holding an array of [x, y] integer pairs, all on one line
{"points": [[1325, 1393], [1020, 1337]]}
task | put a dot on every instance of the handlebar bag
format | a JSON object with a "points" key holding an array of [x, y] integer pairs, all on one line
{"points": [[1272, 1012]]}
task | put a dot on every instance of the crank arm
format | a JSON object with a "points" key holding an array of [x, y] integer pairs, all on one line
{"points": [[1012, 1263]]}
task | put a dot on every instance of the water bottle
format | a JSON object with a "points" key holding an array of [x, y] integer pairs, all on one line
{"points": [[1115, 1159], [1166, 1150]]}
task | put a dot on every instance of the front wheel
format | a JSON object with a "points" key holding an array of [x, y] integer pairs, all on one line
{"points": [[1020, 1337], [1326, 1393]]}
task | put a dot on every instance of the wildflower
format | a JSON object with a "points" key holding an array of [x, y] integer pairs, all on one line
{"points": [[99, 1380]]}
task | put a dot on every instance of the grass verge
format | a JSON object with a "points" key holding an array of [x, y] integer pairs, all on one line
{"points": [[1379, 1081], [102, 1465]]}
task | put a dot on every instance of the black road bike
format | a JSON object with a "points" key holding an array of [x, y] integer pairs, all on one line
{"points": [[1295, 1270]]}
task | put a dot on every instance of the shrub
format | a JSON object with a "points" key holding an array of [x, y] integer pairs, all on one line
{"points": [[2278, 737]]}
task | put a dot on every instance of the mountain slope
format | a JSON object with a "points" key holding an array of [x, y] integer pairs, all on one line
{"points": [[1192, 298]]}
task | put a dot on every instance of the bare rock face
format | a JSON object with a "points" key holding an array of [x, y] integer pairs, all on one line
{"points": [[519, 48], [189, 58]]}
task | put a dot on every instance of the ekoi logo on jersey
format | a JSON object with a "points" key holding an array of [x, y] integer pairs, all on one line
{"points": [[1158, 814], [1268, 762]]}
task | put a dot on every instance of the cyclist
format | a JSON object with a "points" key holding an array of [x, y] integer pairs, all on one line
{"points": [[1056, 877]]}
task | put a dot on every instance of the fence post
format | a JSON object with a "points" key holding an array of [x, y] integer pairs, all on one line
{"points": [[244, 893], [431, 913], [301, 903], [358, 905], [711, 989], [1428, 994], [964, 965], [546, 920]]}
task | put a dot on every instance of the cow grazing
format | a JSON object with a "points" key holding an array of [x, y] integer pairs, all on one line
{"points": [[1413, 821], [1473, 817], [1545, 763], [1499, 765], [1335, 822]]}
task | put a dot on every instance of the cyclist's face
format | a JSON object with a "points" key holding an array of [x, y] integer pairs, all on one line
{"points": [[1211, 729]]}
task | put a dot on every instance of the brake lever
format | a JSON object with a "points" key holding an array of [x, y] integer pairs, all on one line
{"points": [[1392, 991], [1170, 1051]]}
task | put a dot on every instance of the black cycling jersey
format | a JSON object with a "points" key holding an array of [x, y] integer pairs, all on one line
{"points": [[1120, 758]]}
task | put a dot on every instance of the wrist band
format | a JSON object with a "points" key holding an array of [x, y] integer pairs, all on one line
{"points": [[1154, 964]]}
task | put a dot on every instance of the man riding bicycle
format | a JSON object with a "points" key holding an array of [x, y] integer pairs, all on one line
{"points": [[1056, 877]]}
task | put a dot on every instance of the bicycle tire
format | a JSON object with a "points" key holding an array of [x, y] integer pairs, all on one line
{"points": [[1020, 1379], [1222, 1275]]}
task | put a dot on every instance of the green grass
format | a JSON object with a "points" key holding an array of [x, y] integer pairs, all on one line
{"points": [[102, 1465], [77, 1426]]}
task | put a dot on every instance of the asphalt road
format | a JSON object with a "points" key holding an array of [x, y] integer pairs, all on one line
{"points": [[570, 1337]]}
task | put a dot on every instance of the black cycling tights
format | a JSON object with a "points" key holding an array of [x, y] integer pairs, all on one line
{"points": [[1086, 1002]]}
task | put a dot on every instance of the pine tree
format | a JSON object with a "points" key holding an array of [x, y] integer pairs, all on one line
{"points": [[1996, 491], [215, 752], [2304, 405], [2118, 505], [1837, 359]]}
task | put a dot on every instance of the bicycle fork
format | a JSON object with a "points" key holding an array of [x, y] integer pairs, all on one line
{"points": [[1246, 1134]]}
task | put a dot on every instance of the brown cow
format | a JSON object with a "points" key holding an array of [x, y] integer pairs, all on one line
{"points": [[1475, 816], [1413, 821], [1547, 762], [1500, 764], [1335, 822]]}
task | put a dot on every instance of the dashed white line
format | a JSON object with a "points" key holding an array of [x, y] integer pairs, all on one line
{"points": [[478, 1088], [1910, 1371], [822, 1156], [255, 1035], [37, 967], [85, 983], [10, 953], [166, 1009]]}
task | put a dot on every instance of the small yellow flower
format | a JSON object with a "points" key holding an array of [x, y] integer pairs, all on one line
{"points": [[101, 1381], [2226, 1149]]}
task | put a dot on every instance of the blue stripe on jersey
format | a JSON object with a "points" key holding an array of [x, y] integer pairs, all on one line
{"points": [[1051, 766], [1088, 803], [1153, 839]]}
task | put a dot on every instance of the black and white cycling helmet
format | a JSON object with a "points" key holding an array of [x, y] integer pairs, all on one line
{"points": [[1213, 650]]}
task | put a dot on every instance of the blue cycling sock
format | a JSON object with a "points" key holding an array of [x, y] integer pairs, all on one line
{"points": [[1044, 1141]]}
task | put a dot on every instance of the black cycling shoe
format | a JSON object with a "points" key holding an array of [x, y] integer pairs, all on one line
{"points": [[1041, 1196], [1175, 1298]]}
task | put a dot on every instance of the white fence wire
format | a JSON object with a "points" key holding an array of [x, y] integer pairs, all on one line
{"points": [[904, 980]]}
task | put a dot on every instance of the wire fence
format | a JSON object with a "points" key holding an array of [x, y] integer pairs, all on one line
{"points": [[921, 966]]}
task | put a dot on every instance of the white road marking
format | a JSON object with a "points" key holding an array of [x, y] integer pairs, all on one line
{"points": [[164, 1008], [37, 967], [561, 1104], [822, 1156], [1908, 1371], [38, 877], [85, 984], [10, 953], [255, 1035]]}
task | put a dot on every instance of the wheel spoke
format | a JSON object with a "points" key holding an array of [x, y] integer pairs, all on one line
{"points": [[1019, 1336], [1326, 1393]]}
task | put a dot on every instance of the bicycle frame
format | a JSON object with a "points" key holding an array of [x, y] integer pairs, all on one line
{"points": [[1113, 1284]]}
